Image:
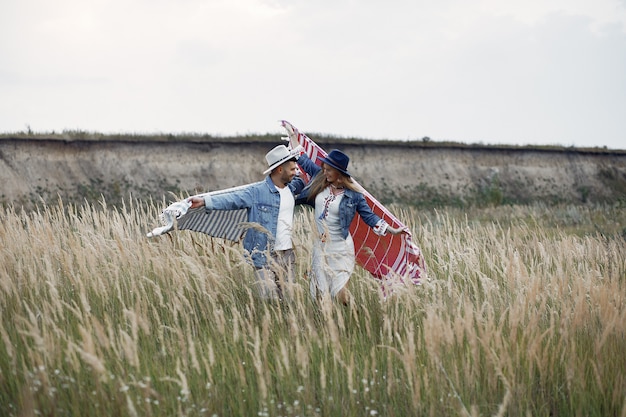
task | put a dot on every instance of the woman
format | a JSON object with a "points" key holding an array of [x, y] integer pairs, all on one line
{"points": [[336, 199]]}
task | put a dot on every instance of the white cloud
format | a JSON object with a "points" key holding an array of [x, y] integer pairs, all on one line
{"points": [[492, 71], [599, 13]]}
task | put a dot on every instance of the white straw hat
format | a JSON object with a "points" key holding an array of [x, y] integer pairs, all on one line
{"points": [[278, 156]]}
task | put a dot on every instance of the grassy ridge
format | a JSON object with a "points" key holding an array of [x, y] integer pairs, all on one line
{"points": [[524, 314], [320, 138]]}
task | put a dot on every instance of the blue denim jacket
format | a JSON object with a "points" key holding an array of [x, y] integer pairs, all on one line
{"points": [[352, 202], [262, 200]]}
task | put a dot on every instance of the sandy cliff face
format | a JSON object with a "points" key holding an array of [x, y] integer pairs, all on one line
{"points": [[490, 174], [31, 170]]}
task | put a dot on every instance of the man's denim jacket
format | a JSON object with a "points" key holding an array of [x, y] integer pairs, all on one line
{"points": [[351, 203], [262, 200]]}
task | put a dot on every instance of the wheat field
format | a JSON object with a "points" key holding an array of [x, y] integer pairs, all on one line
{"points": [[523, 314]]}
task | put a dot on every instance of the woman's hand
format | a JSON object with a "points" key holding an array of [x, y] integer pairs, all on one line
{"points": [[397, 230], [293, 141]]}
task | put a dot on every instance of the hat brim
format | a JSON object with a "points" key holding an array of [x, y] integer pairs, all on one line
{"points": [[334, 165], [292, 154]]}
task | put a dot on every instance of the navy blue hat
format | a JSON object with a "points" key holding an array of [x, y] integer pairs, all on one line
{"points": [[337, 160]]}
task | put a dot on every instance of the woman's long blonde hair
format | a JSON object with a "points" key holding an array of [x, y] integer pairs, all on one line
{"points": [[318, 183]]}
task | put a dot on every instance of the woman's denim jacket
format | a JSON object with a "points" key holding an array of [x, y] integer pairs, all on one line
{"points": [[351, 203], [262, 200]]}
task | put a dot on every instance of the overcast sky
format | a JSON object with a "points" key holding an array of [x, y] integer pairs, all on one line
{"points": [[475, 71]]}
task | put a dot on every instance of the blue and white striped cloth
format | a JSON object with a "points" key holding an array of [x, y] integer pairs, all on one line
{"points": [[225, 224]]}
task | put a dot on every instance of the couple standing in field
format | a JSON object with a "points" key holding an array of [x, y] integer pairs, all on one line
{"points": [[336, 199]]}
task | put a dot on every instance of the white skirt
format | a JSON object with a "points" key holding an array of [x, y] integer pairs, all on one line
{"points": [[332, 266]]}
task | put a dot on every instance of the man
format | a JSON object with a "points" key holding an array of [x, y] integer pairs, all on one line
{"points": [[270, 203]]}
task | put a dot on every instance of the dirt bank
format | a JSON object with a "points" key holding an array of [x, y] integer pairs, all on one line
{"points": [[32, 170]]}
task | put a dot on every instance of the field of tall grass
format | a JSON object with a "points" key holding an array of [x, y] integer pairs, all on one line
{"points": [[523, 314]]}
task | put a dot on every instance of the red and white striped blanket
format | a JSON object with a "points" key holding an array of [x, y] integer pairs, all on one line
{"points": [[384, 257]]}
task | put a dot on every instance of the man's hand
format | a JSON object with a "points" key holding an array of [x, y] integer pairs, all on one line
{"points": [[196, 202]]}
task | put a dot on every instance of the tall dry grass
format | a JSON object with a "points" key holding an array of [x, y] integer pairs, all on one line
{"points": [[524, 314]]}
